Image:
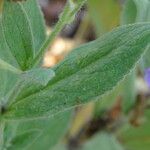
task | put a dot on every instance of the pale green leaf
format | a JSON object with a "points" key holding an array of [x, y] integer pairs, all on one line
{"points": [[24, 30], [6, 66], [17, 33], [137, 138], [49, 132], [104, 141], [106, 102], [30, 82], [87, 72], [24, 140], [105, 14], [37, 24], [26, 38], [137, 11]]}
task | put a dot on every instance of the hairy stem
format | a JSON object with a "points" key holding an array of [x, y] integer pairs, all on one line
{"points": [[66, 17]]}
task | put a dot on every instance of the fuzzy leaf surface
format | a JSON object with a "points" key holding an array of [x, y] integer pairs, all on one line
{"points": [[87, 72]]}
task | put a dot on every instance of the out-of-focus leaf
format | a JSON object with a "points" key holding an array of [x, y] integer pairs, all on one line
{"points": [[133, 11], [87, 72], [60, 146], [23, 140], [103, 141], [137, 11], [105, 14], [137, 138], [128, 91], [49, 132], [107, 101]]}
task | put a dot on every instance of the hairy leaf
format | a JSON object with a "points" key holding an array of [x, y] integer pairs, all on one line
{"points": [[17, 41], [24, 30], [18, 34], [87, 72], [30, 82], [36, 22]]}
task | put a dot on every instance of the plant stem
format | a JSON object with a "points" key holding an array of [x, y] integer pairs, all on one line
{"points": [[66, 17], [2, 125], [4, 65]]}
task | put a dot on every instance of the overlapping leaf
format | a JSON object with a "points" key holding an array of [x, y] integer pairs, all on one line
{"points": [[21, 35], [87, 72], [36, 134], [137, 11]]}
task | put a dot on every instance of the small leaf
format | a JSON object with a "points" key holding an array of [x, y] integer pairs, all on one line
{"points": [[18, 33], [87, 72], [103, 141], [37, 23], [23, 29], [26, 39]]}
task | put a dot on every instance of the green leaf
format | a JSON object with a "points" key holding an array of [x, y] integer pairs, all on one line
{"points": [[129, 91], [137, 138], [103, 141], [30, 82], [31, 30], [5, 66], [7, 80], [24, 140], [105, 14], [107, 101], [17, 32], [24, 30], [52, 132], [37, 23], [137, 11], [49, 132], [87, 72]]}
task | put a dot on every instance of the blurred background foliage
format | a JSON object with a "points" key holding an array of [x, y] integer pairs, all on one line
{"points": [[117, 121]]}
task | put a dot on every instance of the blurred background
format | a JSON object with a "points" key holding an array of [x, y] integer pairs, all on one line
{"points": [[120, 120]]}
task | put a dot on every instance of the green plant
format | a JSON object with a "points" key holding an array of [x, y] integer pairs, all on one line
{"points": [[36, 101]]}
